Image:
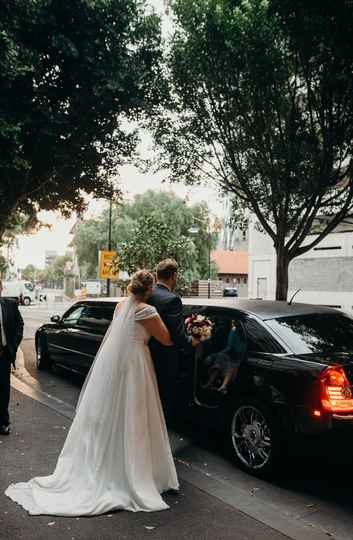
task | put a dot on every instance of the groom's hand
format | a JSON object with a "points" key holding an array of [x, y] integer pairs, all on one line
{"points": [[195, 342]]}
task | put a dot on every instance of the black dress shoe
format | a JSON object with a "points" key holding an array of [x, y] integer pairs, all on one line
{"points": [[4, 430]]}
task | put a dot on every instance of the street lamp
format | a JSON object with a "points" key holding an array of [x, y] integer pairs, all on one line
{"points": [[194, 230]]}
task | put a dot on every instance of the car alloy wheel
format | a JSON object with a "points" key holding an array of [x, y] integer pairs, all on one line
{"points": [[26, 301], [41, 354], [252, 437]]}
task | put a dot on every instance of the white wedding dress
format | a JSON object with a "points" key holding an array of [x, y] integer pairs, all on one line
{"points": [[117, 453]]}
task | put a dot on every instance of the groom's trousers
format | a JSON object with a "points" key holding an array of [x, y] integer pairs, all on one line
{"points": [[5, 372]]}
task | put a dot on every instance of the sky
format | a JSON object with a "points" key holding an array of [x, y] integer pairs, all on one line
{"points": [[31, 249]]}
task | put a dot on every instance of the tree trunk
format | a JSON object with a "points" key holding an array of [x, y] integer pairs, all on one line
{"points": [[282, 275]]}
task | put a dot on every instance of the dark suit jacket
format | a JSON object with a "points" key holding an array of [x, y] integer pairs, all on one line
{"points": [[13, 326], [170, 309]]}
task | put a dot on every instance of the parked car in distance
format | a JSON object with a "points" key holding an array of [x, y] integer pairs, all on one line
{"points": [[295, 376], [230, 291]]}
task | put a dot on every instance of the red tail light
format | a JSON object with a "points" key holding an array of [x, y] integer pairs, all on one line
{"points": [[336, 391]]}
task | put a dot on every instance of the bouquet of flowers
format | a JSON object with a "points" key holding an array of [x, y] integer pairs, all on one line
{"points": [[199, 326]]}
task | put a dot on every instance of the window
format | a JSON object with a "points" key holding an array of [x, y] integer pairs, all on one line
{"points": [[259, 340], [223, 323], [188, 310], [72, 316], [97, 318], [222, 353], [327, 248], [315, 332]]}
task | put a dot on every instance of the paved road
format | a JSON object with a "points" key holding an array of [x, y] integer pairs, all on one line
{"points": [[313, 492], [37, 314]]}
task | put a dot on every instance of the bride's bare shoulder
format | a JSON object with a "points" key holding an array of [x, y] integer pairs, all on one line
{"points": [[141, 305]]}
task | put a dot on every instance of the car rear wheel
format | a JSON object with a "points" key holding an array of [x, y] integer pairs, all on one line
{"points": [[43, 358], [26, 301], [254, 436]]}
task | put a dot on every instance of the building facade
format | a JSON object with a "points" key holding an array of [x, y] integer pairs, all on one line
{"points": [[232, 269], [324, 274]]}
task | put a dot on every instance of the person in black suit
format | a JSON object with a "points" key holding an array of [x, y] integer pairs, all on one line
{"points": [[170, 309], [11, 333]]}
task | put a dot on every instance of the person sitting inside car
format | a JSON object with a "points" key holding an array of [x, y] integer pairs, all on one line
{"points": [[224, 364]]}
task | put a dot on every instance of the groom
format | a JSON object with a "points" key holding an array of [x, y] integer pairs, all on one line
{"points": [[170, 309], [11, 332]]}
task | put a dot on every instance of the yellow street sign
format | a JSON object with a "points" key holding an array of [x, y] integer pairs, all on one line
{"points": [[105, 264]]}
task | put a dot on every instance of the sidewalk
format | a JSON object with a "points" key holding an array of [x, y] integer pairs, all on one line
{"points": [[38, 433]]}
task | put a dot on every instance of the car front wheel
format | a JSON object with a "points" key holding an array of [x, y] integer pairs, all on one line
{"points": [[43, 359], [254, 437]]}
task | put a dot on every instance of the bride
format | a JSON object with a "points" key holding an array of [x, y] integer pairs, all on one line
{"points": [[117, 453]]}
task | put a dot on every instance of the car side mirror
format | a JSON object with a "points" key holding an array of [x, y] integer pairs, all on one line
{"points": [[55, 318]]}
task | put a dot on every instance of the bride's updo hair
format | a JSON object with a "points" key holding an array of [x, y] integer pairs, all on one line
{"points": [[141, 283]]}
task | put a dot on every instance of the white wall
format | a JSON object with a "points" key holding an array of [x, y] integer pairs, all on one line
{"points": [[341, 300], [262, 264], [328, 272], [343, 241]]}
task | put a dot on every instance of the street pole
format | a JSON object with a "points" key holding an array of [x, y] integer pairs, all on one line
{"points": [[209, 262], [110, 237]]}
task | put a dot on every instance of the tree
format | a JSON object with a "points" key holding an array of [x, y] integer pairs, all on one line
{"points": [[4, 265], [261, 103], [153, 226], [71, 74], [53, 275], [151, 241], [29, 273]]}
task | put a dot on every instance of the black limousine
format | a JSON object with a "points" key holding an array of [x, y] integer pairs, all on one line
{"points": [[295, 376]]}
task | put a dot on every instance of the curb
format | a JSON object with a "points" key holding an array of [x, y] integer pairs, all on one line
{"points": [[23, 382]]}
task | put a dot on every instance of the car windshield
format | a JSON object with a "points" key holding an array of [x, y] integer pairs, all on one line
{"points": [[315, 332]]}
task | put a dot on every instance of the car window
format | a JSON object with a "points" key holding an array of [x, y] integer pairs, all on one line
{"points": [[223, 351], [97, 318], [72, 316], [259, 339], [315, 332], [188, 310], [223, 323]]}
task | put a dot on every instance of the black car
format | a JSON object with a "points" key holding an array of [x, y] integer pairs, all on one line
{"points": [[295, 377], [230, 291]]}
